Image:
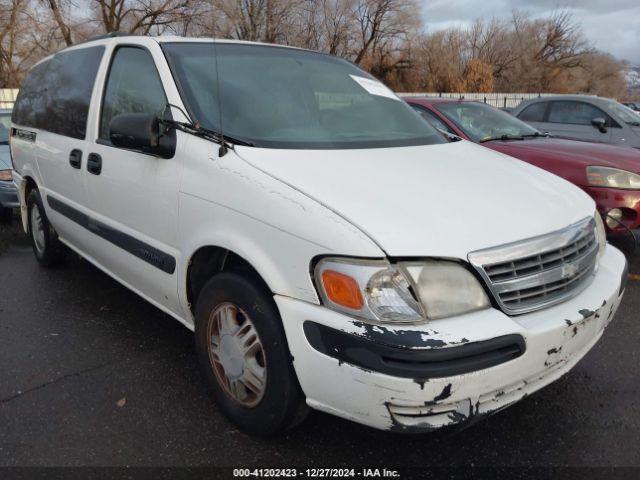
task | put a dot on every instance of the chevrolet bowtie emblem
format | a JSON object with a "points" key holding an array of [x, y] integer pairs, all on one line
{"points": [[569, 270]]}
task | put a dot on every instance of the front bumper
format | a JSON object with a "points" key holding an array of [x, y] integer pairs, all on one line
{"points": [[8, 195], [350, 380]]}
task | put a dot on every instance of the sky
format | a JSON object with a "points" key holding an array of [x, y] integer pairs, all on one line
{"points": [[609, 25]]}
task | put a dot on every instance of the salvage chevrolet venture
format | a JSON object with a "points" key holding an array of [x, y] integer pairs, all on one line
{"points": [[328, 247]]}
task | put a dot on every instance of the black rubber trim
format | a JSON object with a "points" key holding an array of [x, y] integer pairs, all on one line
{"points": [[625, 277], [142, 250], [418, 364]]}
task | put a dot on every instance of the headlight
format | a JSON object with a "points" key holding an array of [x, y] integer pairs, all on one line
{"points": [[613, 178], [5, 175], [407, 292], [447, 288], [601, 233]]}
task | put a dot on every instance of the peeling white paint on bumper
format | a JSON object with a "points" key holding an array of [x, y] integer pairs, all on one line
{"points": [[556, 339]]}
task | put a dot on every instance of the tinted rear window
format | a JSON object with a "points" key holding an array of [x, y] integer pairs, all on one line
{"points": [[31, 105], [56, 94]]}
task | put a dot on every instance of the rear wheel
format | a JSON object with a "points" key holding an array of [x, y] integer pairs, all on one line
{"points": [[244, 355], [44, 239]]}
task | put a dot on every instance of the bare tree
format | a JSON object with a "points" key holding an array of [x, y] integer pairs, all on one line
{"points": [[385, 37], [54, 6], [141, 16], [381, 21]]}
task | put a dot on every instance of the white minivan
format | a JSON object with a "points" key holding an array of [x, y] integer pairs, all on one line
{"points": [[327, 246]]}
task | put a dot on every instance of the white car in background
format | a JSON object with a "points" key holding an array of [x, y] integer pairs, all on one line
{"points": [[328, 247]]}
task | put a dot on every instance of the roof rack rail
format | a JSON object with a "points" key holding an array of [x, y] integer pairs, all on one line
{"points": [[108, 35]]}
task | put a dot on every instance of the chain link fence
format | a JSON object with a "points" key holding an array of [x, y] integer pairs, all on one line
{"points": [[505, 101]]}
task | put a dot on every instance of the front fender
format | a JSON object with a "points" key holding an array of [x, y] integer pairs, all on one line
{"points": [[226, 202]]}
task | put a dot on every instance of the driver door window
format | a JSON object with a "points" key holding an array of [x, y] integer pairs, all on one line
{"points": [[571, 119], [575, 113], [133, 86]]}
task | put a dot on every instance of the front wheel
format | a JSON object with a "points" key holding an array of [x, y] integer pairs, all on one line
{"points": [[47, 248], [244, 355]]}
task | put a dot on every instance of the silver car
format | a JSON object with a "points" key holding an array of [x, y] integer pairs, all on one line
{"points": [[581, 117], [8, 191]]}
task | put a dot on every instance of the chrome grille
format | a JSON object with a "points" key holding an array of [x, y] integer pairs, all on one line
{"points": [[538, 272]]}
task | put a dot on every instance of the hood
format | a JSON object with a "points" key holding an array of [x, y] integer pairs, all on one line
{"points": [[573, 151], [436, 200], [5, 159]]}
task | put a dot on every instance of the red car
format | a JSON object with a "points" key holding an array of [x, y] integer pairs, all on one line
{"points": [[609, 174]]}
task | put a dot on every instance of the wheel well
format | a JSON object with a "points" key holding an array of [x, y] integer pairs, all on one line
{"points": [[208, 261], [29, 185]]}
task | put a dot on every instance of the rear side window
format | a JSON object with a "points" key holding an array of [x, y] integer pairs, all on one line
{"points": [[30, 109], [534, 113], [56, 94], [575, 113], [133, 86], [70, 79]]}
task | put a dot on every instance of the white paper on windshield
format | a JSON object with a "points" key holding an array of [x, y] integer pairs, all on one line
{"points": [[374, 87]]}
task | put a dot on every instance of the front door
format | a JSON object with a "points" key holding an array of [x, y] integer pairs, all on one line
{"points": [[573, 119], [134, 196]]}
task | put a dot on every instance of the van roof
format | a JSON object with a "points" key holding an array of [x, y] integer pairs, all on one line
{"points": [[123, 37], [119, 37]]}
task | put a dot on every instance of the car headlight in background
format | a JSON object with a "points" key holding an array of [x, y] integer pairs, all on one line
{"points": [[613, 178], [601, 233], [5, 175], [407, 292]]}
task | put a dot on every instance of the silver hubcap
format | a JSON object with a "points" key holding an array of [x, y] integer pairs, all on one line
{"points": [[37, 229], [236, 355]]}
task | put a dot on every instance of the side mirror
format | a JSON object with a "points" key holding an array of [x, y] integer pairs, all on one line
{"points": [[600, 123], [142, 132]]}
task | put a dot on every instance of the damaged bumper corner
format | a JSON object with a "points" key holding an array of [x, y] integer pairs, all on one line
{"points": [[447, 372]]}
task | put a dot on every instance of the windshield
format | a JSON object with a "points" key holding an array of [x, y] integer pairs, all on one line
{"points": [[5, 126], [482, 122], [624, 113], [286, 98]]}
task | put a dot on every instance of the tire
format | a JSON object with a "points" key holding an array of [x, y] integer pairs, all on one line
{"points": [[279, 404], [47, 248], [6, 215]]}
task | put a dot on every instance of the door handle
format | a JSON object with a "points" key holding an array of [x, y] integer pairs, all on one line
{"points": [[94, 163], [75, 158]]}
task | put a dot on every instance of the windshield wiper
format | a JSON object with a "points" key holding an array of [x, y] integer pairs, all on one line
{"points": [[535, 135], [225, 141], [503, 138], [197, 130], [451, 137], [634, 123]]}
